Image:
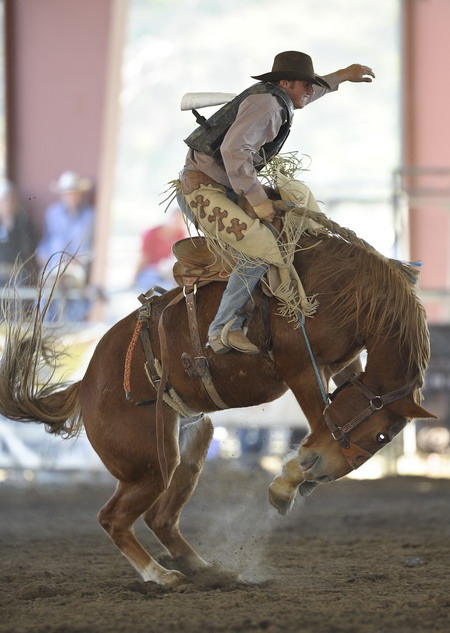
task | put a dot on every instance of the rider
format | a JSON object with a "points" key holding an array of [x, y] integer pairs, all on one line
{"points": [[226, 152]]}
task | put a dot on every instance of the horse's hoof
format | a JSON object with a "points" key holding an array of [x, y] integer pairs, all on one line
{"points": [[281, 496], [173, 578], [190, 565]]}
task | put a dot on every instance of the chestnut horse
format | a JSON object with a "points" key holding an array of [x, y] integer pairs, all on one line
{"points": [[367, 301]]}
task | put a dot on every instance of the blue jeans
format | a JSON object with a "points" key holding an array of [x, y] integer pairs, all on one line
{"points": [[236, 294]]}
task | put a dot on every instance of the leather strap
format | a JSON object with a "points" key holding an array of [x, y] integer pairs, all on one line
{"points": [[200, 360], [354, 454], [376, 403], [144, 314], [165, 363]]}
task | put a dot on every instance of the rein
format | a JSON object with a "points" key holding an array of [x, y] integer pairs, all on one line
{"points": [[323, 393], [354, 454]]}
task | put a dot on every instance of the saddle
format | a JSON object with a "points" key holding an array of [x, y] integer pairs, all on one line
{"points": [[197, 264]]}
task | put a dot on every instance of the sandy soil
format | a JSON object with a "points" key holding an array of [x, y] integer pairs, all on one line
{"points": [[356, 556]]}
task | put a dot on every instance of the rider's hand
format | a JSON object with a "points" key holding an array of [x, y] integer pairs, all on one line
{"points": [[357, 73], [265, 210]]}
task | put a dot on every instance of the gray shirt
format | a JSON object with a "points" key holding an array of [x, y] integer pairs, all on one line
{"points": [[258, 121]]}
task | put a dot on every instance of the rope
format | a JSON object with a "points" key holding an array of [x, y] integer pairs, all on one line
{"points": [[128, 359], [323, 393]]}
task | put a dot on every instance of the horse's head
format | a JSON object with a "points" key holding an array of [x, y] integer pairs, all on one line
{"points": [[355, 425]]}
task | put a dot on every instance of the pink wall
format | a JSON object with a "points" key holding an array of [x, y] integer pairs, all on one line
{"points": [[426, 138], [56, 59]]}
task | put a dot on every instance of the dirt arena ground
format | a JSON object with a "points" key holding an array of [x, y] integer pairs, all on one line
{"points": [[356, 556]]}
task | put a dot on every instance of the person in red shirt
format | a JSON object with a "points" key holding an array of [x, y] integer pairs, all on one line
{"points": [[156, 259]]}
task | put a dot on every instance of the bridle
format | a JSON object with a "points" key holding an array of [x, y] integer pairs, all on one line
{"points": [[354, 454]]}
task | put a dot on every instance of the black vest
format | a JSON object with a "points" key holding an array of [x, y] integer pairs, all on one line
{"points": [[208, 137]]}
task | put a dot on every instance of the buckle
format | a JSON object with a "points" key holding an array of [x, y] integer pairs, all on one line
{"points": [[193, 291], [374, 406], [335, 436]]}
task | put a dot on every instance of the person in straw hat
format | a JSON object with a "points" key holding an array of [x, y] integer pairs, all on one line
{"points": [[68, 228], [225, 154]]}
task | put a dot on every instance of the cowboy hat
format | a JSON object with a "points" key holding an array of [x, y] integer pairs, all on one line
{"points": [[70, 181], [292, 65]]}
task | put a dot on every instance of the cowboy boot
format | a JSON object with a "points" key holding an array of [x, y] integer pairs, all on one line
{"points": [[232, 339], [237, 340]]}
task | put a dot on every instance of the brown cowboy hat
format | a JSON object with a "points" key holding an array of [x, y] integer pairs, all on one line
{"points": [[293, 65]]}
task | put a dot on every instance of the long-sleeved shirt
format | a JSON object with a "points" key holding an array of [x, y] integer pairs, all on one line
{"points": [[68, 232], [258, 121]]}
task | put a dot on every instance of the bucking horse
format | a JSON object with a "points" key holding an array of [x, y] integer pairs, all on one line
{"points": [[152, 380]]}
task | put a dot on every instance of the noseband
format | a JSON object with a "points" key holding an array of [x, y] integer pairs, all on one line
{"points": [[354, 454]]}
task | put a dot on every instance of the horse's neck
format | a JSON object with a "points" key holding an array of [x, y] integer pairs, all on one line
{"points": [[388, 366]]}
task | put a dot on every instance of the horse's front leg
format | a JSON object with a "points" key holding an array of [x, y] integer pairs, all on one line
{"points": [[284, 489], [164, 517]]}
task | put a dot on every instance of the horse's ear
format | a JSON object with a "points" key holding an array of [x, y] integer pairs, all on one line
{"points": [[413, 410]]}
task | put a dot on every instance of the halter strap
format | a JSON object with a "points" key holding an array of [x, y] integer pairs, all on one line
{"points": [[354, 454]]}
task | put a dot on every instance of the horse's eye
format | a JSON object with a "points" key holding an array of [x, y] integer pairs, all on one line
{"points": [[382, 438]]}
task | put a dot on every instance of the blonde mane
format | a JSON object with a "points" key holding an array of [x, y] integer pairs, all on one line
{"points": [[374, 293]]}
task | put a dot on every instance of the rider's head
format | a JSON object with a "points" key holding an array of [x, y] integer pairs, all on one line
{"points": [[294, 73], [298, 90]]}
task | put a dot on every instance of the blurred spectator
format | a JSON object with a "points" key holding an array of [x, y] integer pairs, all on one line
{"points": [[16, 237], [254, 444], [69, 228], [156, 260]]}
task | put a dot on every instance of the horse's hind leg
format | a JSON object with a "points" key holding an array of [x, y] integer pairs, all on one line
{"points": [[164, 517], [129, 451], [117, 517]]}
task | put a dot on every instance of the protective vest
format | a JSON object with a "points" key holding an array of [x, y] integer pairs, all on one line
{"points": [[208, 137]]}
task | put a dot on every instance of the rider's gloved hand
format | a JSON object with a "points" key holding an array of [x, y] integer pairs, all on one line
{"points": [[265, 210]]}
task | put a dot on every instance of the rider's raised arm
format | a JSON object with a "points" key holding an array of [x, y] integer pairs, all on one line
{"points": [[356, 73]]}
